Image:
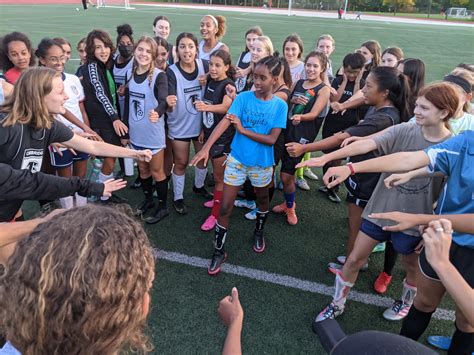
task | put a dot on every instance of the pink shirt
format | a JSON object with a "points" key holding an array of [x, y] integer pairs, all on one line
{"points": [[12, 75]]}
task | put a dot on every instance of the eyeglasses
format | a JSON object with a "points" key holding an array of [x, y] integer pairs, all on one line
{"points": [[61, 59]]}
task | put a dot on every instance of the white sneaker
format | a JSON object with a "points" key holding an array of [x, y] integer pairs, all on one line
{"points": [[341, 259], [309, 174], [331, 311], [398, 311], [302, 184], [252, 215], [251, 205]]}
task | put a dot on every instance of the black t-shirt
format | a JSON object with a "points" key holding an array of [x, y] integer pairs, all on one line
{"points": [[213, 95], [172, 84], [351, 115]]}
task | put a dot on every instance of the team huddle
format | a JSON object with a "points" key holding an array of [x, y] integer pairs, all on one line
{"points": [[409, 145]]}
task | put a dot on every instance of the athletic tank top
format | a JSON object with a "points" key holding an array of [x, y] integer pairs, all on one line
{"points": [[121, 72], [143, 132], [213, 95], [185, 121], [242, 63], [204, 55]]}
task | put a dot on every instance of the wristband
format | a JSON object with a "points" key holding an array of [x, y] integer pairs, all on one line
{"points": [[351, 168]]}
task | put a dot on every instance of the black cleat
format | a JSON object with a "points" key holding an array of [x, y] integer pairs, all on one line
{"points": [[136, 184], [203, 192], [144, 207], [259, 241], [218, 258], [180, 207], [159, 214]]}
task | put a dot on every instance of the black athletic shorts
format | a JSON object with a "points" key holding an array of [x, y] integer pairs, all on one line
{"points": [[218, 150], [350, 198], [288, 164], [195, 139], [279, 148], [460, 256], [108, 135]]}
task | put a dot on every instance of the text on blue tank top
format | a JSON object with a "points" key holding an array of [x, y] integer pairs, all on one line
{"points": [[185, 121], [143, 132]]}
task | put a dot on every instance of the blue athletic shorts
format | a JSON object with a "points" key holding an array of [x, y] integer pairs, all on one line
{"points": [[153, 150], [402, 243], [67, 158]]}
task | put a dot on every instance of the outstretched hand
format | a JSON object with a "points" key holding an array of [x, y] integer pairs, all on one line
{"points": [[202, 155], [112, 185], [336, 175], [230, 309]]}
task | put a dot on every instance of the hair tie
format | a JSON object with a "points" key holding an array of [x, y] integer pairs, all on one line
{"points": [[213, 20], [459, 81]]}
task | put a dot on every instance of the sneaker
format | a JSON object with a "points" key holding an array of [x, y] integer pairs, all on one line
{"points": [[323, 189], [144, 207], [379, 248], [218, 258], [209, 223], [281, 208], [159, 214], [203, 191], [291, 217], [180, 207], [302, 184], [382, 282], [209, 204], [259, 241], [252, 215], [439, 342], [336, 268], [341, 259], [332, 196], [136, 184], [309, 174], [251, 205], [331, 311], [398, 311]]}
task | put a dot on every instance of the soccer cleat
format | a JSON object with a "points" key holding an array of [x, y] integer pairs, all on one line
{"points": [[281, 208], [331, 311], [203, 192], [251, 205], [291, 217], [341, 259], [336, 268], [398, 311], [323, 189], [209, 223], [136, 184], [252, 215], [382, 282], [144, 207], [302, 184], [159, 215], [218, 258], [259, 241], [379, 248], [209, 204], [333, 197], [439, 342], [309, 174], [180, 207]]}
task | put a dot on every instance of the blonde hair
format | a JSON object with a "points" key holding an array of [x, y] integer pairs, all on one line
{"points": [[81, 289], [267, 43], [326, 36], [26, 105], [154, 54]]}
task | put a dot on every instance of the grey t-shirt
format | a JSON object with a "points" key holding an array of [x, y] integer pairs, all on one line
{"points": [[416, 196]]}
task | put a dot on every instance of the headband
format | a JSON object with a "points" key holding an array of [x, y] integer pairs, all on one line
{"points": [[461, 82], [213, 20]]}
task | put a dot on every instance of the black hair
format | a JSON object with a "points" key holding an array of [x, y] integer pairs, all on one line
{"points": [[273, 64], [160, 41], [190, 36], [414, 69], [227, 59], [286, 72], [323, 60], [44, 46], [398, 88], [124, 30], [353, 60], [10, 37], [158, 18]]}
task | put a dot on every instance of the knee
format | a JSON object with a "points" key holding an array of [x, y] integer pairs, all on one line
{"points": [[425, 303], [355, 262], [179, 166]]}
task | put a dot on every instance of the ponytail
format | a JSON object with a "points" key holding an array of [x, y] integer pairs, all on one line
{"points": [[402, 100]]}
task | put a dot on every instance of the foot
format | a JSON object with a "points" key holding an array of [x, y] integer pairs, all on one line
{"points": [[439, 342], [309, 174], [251, 205], [144, 207], [333, 197], [379, 248], [291, 217], [336, 268], [281, 208], [323, 189], [159, 215], [209, 204], [114, 199], [398, 311], [180, 207], [136, 184], [382, 282], [331, 311], [252, 215], [259, 242], [209, 223], [302, 184], [218, 258], [203, 192]]}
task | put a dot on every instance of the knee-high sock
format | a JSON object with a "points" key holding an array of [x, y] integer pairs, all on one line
{"points": [[103, 178], [462, 343], [341, 290], [290, 199], [415, 323], [147, 187], [260, 220], [408, 293], [80, 200], [67, 202], [217, 203], [300, 171], [219, 237], [178, 186], [162, 192], [199, 177]]}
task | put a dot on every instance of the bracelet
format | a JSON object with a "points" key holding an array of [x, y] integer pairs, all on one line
{"points": [[351, 168]]}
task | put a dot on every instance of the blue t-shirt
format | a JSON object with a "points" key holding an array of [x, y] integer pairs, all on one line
{"points": [[260, 117], [455, 159]]}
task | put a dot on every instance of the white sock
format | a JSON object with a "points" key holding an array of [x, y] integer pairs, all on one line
{"points": [[178, 186], [341, 291], [103, 178], [67, 202], [199, 177], [408, 293], [80, 200]]}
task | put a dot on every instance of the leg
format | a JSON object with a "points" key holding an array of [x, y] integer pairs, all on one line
{"points": [[147, 187], [181, 157], [218, 173], [68, 201], [355, 220], [263, 204], [463, 338], [161, 184], [229, 194], [200, 173]]}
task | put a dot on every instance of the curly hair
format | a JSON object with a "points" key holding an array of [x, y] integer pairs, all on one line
{"points": [[76, 285], [5, 62], [90, 46]]}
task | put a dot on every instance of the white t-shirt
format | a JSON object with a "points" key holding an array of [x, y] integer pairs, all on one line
{"points": [[75, 92], [297, 72]]}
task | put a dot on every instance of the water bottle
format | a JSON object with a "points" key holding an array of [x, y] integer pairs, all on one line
{"points": [[300, 108], [94, 175]]}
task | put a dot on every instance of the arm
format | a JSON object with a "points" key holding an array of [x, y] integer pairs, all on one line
{"points": [[13, 232], [76, 121], [355, 101], [321, 102], [400, 179], [220, 108], [340, 90], [161, 92], [232, 315], [267, 139], [296, 149]]}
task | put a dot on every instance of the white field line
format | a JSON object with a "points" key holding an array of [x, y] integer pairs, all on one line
{"points": [[288, 281]]}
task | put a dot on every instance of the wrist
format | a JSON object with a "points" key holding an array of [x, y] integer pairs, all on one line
{"points": [[351, 168]]}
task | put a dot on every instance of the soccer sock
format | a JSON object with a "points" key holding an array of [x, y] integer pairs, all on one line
{"points": [[271, 191], [220, 235], [162, 192], [415, 323], [306, 156], [260, 221], [168, 178], [122, 164], [408, 293], [66, 202], [80, 200], [341, 290], [290, 199], [178, 186], [199, 177], [461, 343], [249, 191], [103, 178], [390, 258], [217, 203], [147, 187]]}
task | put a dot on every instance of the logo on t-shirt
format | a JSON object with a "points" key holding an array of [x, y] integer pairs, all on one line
{"points": [[32, 160]]}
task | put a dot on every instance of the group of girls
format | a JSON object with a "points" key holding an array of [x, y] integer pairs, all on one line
{"points": [[158, 99]]}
